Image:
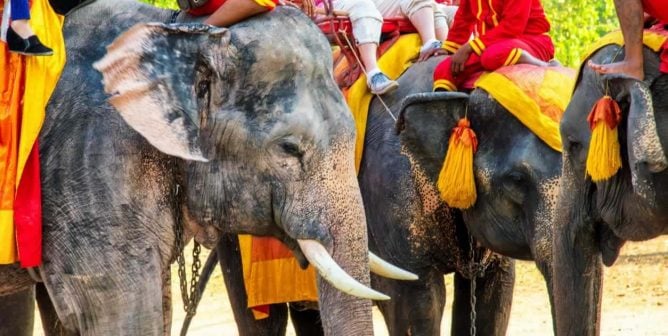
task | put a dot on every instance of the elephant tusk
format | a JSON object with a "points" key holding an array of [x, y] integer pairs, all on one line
{"points": [[385, 269], [318, 256]]}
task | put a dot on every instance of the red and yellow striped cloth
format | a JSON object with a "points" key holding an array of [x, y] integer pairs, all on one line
{"points": [[26, 83]]}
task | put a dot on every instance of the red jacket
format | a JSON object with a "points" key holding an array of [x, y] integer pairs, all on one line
{"points": [[495, 20]]}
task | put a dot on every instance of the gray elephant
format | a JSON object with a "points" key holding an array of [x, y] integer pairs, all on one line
{"points": [[595, 219], [410, 226], [516, 176], [219, 131]]}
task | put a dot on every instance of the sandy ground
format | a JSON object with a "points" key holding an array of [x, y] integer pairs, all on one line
{"points": [[635, 300]]}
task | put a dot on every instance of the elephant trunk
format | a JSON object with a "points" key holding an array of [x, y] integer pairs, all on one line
{"points": [[577, 273], [325, 215]]}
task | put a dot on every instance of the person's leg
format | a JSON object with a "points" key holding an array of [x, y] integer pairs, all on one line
{"points": [[440, 22], [367, 24], [445, 81], [630, 14], [535, 50], [233, 11], [421, 15], [20, 16]]}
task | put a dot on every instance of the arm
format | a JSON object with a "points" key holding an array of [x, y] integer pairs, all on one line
{"points": [[513, 20], [462, 27]]}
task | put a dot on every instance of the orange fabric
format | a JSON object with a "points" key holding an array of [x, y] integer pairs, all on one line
{"points": [[273, 275], [12, 69]]}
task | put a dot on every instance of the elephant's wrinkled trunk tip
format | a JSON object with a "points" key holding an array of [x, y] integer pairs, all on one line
{"points": [[385, 269], [318, 256]]}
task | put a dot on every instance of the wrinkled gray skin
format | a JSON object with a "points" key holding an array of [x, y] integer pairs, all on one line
{"points": [[410, 227], [261, 108], [516, 177], [595, 219]]}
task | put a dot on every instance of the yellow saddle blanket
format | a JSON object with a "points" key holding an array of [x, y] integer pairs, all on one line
{"points": [[536, 96]]}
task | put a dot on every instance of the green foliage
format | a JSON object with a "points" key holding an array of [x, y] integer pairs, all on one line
{"points": [[171, 4], [576, 24]]}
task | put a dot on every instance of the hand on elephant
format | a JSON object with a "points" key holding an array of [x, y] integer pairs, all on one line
{"points": [[458, 60], [307, 6]]}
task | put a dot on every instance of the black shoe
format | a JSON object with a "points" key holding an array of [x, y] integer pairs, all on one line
{"points": [[30, 46]]}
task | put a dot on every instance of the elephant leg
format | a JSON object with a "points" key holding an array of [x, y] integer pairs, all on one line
{"points": [[416, 307], [230, 264], [494, 296], [17, 313], [306, 321], [50, 322]]}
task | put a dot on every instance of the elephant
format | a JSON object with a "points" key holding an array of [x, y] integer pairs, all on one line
{"points": [[516, 175], [203, 129], [410, 227], [594, 219]]}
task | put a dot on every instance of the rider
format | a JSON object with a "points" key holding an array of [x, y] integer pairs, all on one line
{"points": [[20, 37], [506, 32], [367, 16], [631, 19]]}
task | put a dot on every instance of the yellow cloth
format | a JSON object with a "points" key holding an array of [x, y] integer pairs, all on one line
{"points": [[651, 39], [393, 63], [41, 76], [272, 274], [536, 96]]}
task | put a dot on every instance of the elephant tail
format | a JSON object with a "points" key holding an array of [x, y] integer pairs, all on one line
{"points": [[204, 277]]}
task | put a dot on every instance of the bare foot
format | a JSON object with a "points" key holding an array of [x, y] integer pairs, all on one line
{"points": [[623, 67]]}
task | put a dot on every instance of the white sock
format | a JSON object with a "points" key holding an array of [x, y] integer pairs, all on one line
{"points": [[428, 44], [372, 72]]}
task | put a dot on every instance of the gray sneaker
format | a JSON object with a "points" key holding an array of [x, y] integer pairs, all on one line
{"points": [[429, 50], [380, 84]]}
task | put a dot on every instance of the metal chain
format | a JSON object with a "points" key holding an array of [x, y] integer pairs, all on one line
{"points": [[475, 270], [189, 297], [474, 276]]}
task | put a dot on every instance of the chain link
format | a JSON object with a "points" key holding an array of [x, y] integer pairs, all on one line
{"points": [[190, 297], [475, 270]]}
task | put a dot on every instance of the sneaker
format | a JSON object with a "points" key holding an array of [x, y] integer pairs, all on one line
{"points": [[428, 50], [380, 84], [30, 46]]}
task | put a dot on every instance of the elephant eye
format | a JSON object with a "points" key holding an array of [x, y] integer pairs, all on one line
{"points": [[513, 185], [292, 149], [202, 89]]}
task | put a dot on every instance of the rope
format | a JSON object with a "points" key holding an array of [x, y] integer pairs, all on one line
{"points": [[387, 109]]}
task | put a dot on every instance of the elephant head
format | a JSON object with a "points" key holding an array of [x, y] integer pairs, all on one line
{"points": [[265, 137], [594, 219], [516, 173]]}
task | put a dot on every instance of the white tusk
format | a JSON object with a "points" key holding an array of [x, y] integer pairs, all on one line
{"points": [[385, 269], [318, 256]]}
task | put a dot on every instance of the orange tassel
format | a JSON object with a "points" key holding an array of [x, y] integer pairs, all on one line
{"points": [[604, 157], [456, 183]]}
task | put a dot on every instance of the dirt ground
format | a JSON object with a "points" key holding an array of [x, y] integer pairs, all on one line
{"points": [[635, 300]]}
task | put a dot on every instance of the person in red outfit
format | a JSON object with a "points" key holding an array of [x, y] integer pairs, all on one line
{"points": [[505, 32], [631, 18]]}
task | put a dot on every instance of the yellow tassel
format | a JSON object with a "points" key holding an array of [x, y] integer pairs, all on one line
{"points": [[604, 158], [455, 181]]}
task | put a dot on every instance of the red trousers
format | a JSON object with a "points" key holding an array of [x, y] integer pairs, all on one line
{"points": [[656, 8], [500, 54]]}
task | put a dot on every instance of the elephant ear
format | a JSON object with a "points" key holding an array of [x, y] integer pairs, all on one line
{"points": [[646, 155], [153, 73], [425, 124]]}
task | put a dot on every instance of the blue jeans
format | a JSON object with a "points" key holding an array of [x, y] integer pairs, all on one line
{"points": [[20, 10]]}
